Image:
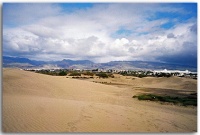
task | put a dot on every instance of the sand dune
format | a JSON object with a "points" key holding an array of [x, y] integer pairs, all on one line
{"points": [[171, 82], [154, 82], [40, 103]]}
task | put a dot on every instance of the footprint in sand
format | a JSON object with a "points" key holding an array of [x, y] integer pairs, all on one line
{"points": [[72, 128]]}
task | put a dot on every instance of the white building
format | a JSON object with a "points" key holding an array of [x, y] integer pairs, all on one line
{"points": [[172, 72]]}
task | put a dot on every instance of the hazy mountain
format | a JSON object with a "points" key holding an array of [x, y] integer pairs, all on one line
{"points": [[73, 63], [138, 65], [20, 62], [27, 63], [86, 64]]}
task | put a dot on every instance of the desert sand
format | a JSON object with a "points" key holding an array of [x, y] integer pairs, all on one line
{"points": [[35, 102]]}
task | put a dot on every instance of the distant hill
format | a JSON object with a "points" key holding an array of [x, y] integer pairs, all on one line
{"points": [[145, 65], [20, 62], [27, 63], [71, 63], [86, 64]]}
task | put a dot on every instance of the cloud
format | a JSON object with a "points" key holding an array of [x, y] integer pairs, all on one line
{"points": [[193, 28], [101, 32], [170, 35], [26, 13]]}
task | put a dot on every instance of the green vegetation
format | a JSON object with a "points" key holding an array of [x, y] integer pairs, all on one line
{"points": [[43, 71], [75, 74], [175, 100], [102, 75], [88, 73], [62, 73], [53, 73], [139, 74], [162, 75]]}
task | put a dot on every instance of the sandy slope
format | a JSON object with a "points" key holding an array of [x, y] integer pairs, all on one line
{"points": [[154, 82], [40, 103]]}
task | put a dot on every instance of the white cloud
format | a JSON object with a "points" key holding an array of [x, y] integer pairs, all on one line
{"points": [[87, 34]]}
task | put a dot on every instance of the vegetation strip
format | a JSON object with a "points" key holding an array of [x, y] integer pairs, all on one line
{"points": [[185, 101]]}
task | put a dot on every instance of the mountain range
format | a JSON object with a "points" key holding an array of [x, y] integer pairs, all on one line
{"points": [[86, 64]]}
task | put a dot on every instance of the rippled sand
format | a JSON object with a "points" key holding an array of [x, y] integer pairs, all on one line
{"points": [[40, 103]]}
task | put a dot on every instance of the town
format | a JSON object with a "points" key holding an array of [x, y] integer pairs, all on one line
{"points": [[102, 73]]}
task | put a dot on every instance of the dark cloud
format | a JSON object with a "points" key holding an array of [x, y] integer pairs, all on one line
{"points": [[187, 56], [171, 35], [184, 59], [193, 28]]}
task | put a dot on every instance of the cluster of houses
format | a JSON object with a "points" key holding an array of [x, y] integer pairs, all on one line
{"points": [[179, 73], [166, 72]]}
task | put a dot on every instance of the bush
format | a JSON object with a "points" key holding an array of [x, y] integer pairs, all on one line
{"points": [[62, 73], [89, 73], [163, 75], [75, 74], [102, 75], [146, 97], [43, 72], [141, 75], [175, 100]]}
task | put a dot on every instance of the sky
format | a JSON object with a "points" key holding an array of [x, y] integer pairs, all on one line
{"points": [[101, 32]]}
